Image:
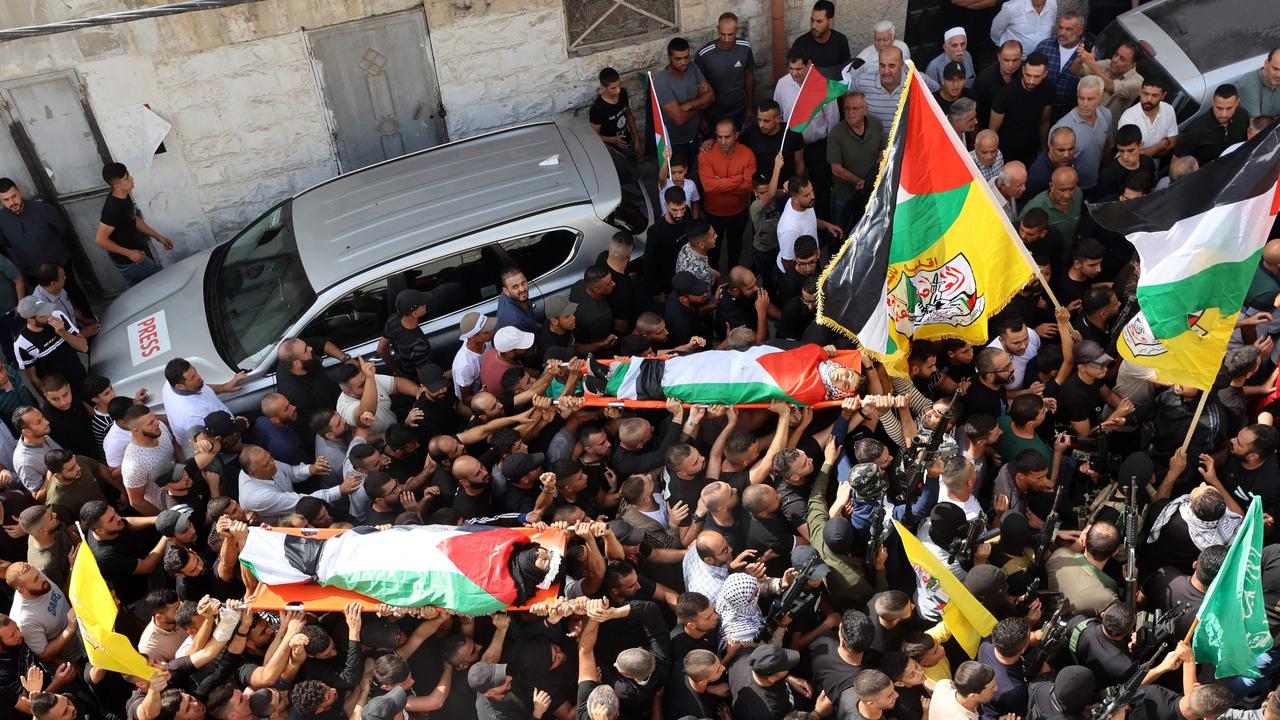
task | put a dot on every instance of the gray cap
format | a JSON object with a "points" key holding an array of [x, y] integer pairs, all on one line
{"points": [[30, 307], [801, 554], [559, 306], [172, 522], [485, 676], [1088, 352], [385, 707]]}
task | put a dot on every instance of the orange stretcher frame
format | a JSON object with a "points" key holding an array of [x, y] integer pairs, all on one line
{"points": [[314, 597]]}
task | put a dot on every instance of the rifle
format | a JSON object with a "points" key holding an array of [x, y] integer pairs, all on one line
{"points": [[787, 603], [1028, 597], [876, 540], [921, 454], [1156, 629], [1044, 543], [964, 548], [1053, 636], [1131, 546], [1118, 696]]}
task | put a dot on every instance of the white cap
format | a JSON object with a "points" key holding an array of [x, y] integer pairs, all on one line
{"points": [[512, 338], [953, 32]]}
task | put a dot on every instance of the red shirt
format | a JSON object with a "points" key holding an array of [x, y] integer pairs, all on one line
{"points": [[726, 181]]}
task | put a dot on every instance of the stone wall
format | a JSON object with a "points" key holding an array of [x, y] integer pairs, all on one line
{"points": [[249, 120]]}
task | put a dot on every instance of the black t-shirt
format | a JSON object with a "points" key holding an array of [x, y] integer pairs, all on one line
{"points": [[1041, 704], [734, 312], [121, 214], [1263, 481], [1106, 658], [982, 400], [1113, 175], [117, 559], [1157, 703], [985, 86], [1068, 290], [413, 349], [834, 52], [1078, 400], [946, 104], [1167, 588], [1174, 547], [735, 534], [682, 644], [682, 701], [752, 702], [584, 693], [626, 297], [72, 429], [509, 709], [682, 323], [796, 316], [611, 117], [474, 506], [830, 671], [594, 317], [1022, 110], [662, 243], [767, 147], [548, 340], [770, 533]]}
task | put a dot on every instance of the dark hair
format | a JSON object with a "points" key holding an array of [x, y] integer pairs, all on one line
{"points": [[1088, 249], [1025, 408], [609, 76], [220, 696], [511, 378], [176, 557], [894, 663], [633, 345], [1102, 541], [186, 613], [825, 6], [614, 572], [319, 423], [868, 450], [1265, 439], [135, 413], [1226, 91], [727, 16], [360, 453], [805, 246], [595, 274], [1117, 619], [1095, 299], [46, 273], [1010, 636], [978, 426], [1210, 563], [118, 406], [317, 639], [762, 106], [1029, 461], [797, 185], [345, 372], [43, 703], [175, 369], [1139, 181], [55, 460], [870, 681], [399, 435], [689, 604], [374, 482], [917, 644], [1208, 505], [6, 184], [674, 195], [158, 599], [113, 171], [390, 669], [698, 229], [1128, 134], [677, 45], [678, 160], [307, 696], [856, 630], [91, 512], [95, 385], [971, 677], [1155, 82], [1034, 218], [1036, 58]]}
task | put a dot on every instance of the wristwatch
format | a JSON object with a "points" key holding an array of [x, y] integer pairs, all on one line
{"points": [[699, 519]]}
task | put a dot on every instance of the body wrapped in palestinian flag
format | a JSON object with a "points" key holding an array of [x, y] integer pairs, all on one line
{"points": [[468, 569], [760, 374]]}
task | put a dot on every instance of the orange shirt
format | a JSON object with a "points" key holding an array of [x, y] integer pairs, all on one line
{"points": [[726, 181]]}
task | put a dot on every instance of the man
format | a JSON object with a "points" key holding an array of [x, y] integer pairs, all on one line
{"points": [[514, 306], [43, 614], [1084, 394], [807, 265], [188, 399], [853, 150], [1010, 184], [823, 45], [273, 429], [883, 34], [761, 683], [994, 373], [1155, 118], [301, 377], [151, 447], [1061, 153], [50, 546], [1121, 82], [1091, 124], [557, 331], [764, 138], [1208, 134], [50, 286], [595, 326], [682, 315], [1063, 201], [1026, 22], [475, 332], [687, 694], [121, 230], [815, 133], [662, 243], [1021, 343], [726, 171], [403, 345], [986, 154], [364, 391], [266, 487], [1250, 471], [743, 303], [974, 684], [955, 43], [951, 86], [1080, 575], [48, 343], [1259, 91], [1099, 307], [683, 94], [28, 455], [884, 88], [34, 232], [1020, 111], [798, 219], [73, 484], [993, 78], [963, 116], [729, 66], [1060, 52], [1128, 162], [870, 696]]}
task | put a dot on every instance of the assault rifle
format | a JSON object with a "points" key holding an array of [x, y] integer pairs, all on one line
{"points": [[788, 602], [918, 457], [1119, 696], [1157, 629], [875, 541], [1053, 636], [964, 548], [1130, 522], [1044, 543]]}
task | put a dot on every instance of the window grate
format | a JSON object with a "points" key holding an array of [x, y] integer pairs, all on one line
{"points": [[593, 25]]}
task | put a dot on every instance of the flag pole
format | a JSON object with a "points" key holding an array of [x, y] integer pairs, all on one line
{"points": [[653, 92], [1204, 397], [786, 122]]}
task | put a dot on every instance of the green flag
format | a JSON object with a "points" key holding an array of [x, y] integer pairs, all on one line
{"points": [[1232, 629]]}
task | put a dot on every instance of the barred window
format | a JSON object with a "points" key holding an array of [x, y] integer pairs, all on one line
{"points": [[594, 25]]}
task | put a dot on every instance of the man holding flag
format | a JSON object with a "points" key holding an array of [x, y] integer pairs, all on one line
{"points": [[805, 96]]}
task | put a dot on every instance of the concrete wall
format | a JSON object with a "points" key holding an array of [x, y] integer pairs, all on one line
{"points": [[249, 122]]}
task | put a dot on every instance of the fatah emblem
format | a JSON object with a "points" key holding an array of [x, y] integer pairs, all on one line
{"points": [[1193, 323], [1141, 341], [941, 295]]}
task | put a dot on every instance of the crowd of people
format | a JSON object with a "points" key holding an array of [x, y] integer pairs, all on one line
{"points": [[721, 562]]}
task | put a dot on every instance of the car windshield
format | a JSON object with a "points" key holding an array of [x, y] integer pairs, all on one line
{"points": [[258, 289], [1214, 34], [1184, 106], [632, 214]]}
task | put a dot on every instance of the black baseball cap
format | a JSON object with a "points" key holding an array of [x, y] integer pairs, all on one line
{"points": [[221, 424], [407, 300], [953, 69], [521, 464], [431, 377], [770, 659], [485, 676], [172, 522], [686, 283]]}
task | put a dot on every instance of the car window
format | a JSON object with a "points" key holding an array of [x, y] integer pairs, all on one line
{"points": [[453, 283]]}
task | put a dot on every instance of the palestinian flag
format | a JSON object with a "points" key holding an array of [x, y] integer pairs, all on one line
{"points": [[816, 90], [1200, 241], [659, 124], [463, 569], [758, 374], [933, 256]]}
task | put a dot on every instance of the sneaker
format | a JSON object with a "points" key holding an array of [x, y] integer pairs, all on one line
{"points": [[595, 368]]}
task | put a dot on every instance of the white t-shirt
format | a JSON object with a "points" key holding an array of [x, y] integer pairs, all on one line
{"points": [[185, 411], [1153, 131], [1020, 362], [466, 369], [1065, 56], [792, 225], [113, 445], [140, 463], [160, 644], [691, 195], [383, 418]]}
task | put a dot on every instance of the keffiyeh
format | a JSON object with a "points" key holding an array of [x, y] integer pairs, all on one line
{"points": [[1203, 534]]}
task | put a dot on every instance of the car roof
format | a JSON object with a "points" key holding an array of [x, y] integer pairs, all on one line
{"points": [[364, 218], [1215, 33]]}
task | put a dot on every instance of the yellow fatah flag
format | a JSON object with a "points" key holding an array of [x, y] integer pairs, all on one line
{"points": [[96, 613], [964, 616]]}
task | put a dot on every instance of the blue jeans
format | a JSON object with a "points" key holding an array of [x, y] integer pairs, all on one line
{"points": [[135, 273]]}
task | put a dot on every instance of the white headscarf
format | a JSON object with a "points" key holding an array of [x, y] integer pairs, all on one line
{"points": [[480, 322], [738, 608], [1203, 534]]}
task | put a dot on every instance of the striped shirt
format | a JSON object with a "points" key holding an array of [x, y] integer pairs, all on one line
{"points": [[989, 172], [882, 104]]}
